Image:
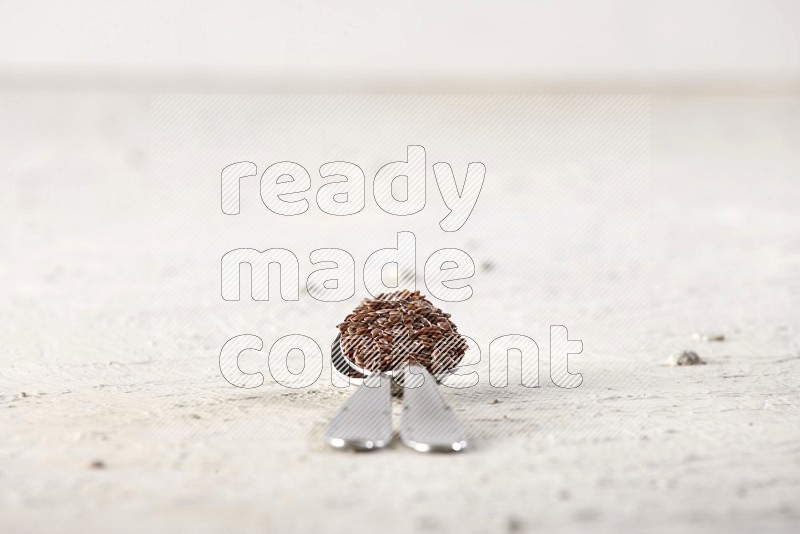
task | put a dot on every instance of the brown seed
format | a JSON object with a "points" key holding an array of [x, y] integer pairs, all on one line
{"points": [[393, 328]]}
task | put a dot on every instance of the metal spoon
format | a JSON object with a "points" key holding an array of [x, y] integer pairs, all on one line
{"points": [[428, 423], [365, 421]]}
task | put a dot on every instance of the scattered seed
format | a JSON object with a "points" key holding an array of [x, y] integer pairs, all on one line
{"points": [[686, 357], [513, 524], [98, 464], [708, 337]]}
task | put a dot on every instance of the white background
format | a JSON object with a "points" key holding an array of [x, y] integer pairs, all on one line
{"points": [[746, 41]]}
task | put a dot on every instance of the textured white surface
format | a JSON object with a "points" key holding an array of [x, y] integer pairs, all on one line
{"points": [[109, 354]]}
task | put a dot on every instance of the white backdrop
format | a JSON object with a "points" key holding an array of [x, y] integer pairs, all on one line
{"points": [[745, 40]]}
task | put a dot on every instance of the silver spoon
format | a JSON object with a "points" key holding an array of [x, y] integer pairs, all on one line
{"points": [[364, 422], [428, 423]]}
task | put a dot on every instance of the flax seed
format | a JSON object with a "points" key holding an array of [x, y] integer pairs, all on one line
{"points": [[394, 328]]}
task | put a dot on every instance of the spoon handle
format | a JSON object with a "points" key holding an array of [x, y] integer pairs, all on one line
{"points": [[428, 423], [365, 420]]}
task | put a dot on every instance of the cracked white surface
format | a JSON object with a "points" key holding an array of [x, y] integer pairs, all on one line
{"points": [[111, 371]]}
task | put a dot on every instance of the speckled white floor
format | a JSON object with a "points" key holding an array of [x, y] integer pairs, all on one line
{"points": [[114, 415]]}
